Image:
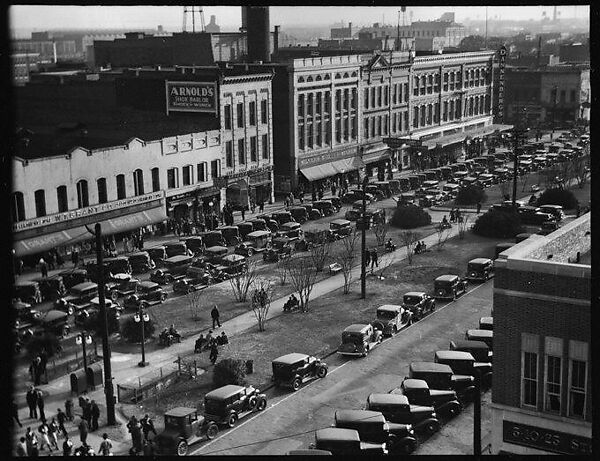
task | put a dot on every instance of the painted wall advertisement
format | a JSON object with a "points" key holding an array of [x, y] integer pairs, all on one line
{"points": [[191, 96]]}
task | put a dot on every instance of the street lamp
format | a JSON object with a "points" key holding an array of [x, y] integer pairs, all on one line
{"points": [[210, 224], [81, 340], [142, 317]]}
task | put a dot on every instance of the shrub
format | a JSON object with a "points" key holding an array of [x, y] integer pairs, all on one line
{"points": [[409, 217], [499, 224], [470, 195], [229, 371], [132, 332], [557, 196], [48, 341], [94, 324]]}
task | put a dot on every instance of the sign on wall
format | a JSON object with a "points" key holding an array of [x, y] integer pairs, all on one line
{"points": [[191, 97], [545, 439], [501, 70]]}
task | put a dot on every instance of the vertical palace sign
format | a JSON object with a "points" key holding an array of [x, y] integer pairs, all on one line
{"points": [[501, 70], [191, 96]]}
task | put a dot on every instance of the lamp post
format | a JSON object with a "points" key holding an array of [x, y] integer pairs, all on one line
{"points": [[210, 223], [82, 339], [142, 317]]}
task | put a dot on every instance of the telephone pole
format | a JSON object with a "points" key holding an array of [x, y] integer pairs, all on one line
{"points": [[519, 132], [363, 266]]}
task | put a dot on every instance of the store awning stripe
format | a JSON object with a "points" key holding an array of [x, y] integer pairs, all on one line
{"points": [[325, 170], [376, 156]]}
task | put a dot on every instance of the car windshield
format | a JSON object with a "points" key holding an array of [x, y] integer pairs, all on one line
{"points": [[385, 315], [412, 300]]}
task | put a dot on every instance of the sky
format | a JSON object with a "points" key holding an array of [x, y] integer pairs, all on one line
{"points": [[47, 17]]}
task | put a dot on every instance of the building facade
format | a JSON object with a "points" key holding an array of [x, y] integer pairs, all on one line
{"points": [[542, 345], [23, 64], [48, 48]]}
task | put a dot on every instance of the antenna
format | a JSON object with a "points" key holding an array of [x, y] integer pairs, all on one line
{"points": [[193, 10]]}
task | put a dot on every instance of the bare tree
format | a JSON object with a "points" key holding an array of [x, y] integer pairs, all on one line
{"points": [[504, 188], [281, 269], [303, 277], [385, 262], [443, 233], [524, 179], [346, 257], [262, 296], [463, 225], [381, 229], [409, 239], [580, 171], [194, 301], [242, 281], [319, 255]]}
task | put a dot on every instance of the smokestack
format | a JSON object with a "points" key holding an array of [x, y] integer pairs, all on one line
{"points": [[54, 51], [258, 33], [276, 39], [539, 51], [350, 29], [244, 19]]}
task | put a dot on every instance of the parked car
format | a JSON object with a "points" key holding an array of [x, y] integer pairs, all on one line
{"points": [[441, 376], [452, 189], [384, 187], [449, 286], [195, 244], [122, 285], [232, 264], [118, 265], [183, 427], [464, 363], [231, 234], [196, 279], [292, 370], [272, 225], [178, 265], [51, 288], [281, 248], [359, 339], [397, 409], [141, 262], [79, 297], [313, 213], [478, 349], [480, 269], [291, 230], [94, 273], [158, 254], [476, 334], [150, 293], [299, 214], [391, 319], [486, 323], [372, 427], [177, 248], [430, 184], [256, 242], [417, 391], [376, 192], [419, 303], [346, 443], [228, 404], [258, 224], [341, 228], [487, 179], [282, 217], [245, 228], [213, 238], [73, 277], [555, 210], [325, 207], [405, 185]]}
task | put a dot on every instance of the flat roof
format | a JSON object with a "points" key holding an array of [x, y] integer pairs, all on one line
{"points": [[414, 293], [224, 392]]}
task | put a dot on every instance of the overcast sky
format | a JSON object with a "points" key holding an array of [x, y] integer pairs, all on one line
{"points": [[47, 17]]}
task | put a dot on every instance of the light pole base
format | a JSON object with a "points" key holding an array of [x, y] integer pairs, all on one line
{"points": [[142, 364]]}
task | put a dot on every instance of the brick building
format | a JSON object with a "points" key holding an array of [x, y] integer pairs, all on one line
{"points": [[542, 396]]}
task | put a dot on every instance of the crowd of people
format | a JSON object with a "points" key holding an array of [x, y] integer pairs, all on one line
{"points": [[140, 430]]}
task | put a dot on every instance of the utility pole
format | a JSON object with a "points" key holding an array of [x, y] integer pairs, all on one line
{"points": [[108, 385], [554, 94], [518, 133], [363, 266], [477, 415]]}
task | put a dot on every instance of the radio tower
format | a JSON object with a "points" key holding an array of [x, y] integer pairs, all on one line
{"points": [[193, 10]]}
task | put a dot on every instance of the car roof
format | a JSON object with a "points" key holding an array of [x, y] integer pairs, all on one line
{"points": [[469, 344], [352, 416], [54, 314], [390, 308], [224, 392], [356, 328], [138, 253], [337, 434], [290, 359], [148, 284], [415, 383], [557, 207], [387, 399], [446, 278], [453, 355], [178, 258], [290, 224], [430, 366], [233, 258], [178, 412], [296, 207], [341, 222], [216, 248], [73, 271], [482, 333], [172, 243], [486, 320], [115, 258], [480, 261], [414, 293], [27, 284], [84, 286], [258, 233]]}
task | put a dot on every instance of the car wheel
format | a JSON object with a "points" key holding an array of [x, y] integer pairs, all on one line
{"points": [[211, 431], [262, 404], [250, 252], [453, 410], [252, 401], [182, 448], [169, 278], [114, 295], [70, 310], [409, 447], [188, 290], [432, 306], [432, 427], [296, 384], [232, 419], [322, 372]]}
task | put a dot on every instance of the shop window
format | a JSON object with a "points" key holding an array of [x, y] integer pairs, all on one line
{"points": [[215, 168], [40, 203], [264, 111], [172, 178], [265, 146], [242, 151], [17, 206], [253, 149], [62, 198], [227, 115], [240, 115], [187, 175], [252, 115], [102, 194], [201, 172], [578, 369], [138, 182], [155, 179], [229, 154]]}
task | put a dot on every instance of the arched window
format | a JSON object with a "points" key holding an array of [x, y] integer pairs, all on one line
{"points": [[62, 199], [300, 79], [354, 74], [17, 207], [121, 193], [40, 203], [155, 180], [318, 78], [82, 194], [102, 195], [346, 75], [138, 182], [338, 76], [309, 79], [327, 77]]}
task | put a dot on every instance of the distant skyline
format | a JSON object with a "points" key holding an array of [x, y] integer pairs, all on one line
{"points": [[24, 19]]}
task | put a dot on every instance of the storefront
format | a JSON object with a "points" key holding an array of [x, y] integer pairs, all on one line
{"points": [[189, 205], [378, 162], [333, 165], [250, 185]]}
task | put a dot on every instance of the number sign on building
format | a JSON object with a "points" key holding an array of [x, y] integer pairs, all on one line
{"points": [[546, 439]]}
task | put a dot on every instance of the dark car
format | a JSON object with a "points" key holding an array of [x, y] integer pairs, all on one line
{"points": [[255, 242], [79, 297], [94, 273], [376, 192], [391, 319], [487, 336], [183, 427], [464, 363], [341, 228], [397, 409], [419, 303], [196, 279], [213, 238], [359, 339], [441, 376], [147, 294], [480, 269], [228, 404], [291, 230], [281, 248], [555, 210], [158, 254], [176, 248], [417, 391], [346, 443], [51, 288], [486, 323], [325, 207], [258, 224], [118, 265], [372, 427], [232, 264], [299, 214], [385, 187], [282, 217], [73, 277], [178, 265], [292, 370], [313, 213], [533, 216], [245, 228], [231, 234], [478, 349], [141, 262], [449, 286], [214, 254], [195, 244], [122, 285]]}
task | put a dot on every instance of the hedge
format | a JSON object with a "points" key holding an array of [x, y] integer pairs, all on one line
{"points": [[229, 371], [557, 196], [409, 217], [470, 195], [498, 224]]}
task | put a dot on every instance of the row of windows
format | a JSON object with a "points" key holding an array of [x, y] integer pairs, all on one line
{"points": [[241, 150], [379, 96], [319, 78], [190, 175], [429, 84], [556, 363], [311, 104], [378, 126], [239, 114], [318, 134]]}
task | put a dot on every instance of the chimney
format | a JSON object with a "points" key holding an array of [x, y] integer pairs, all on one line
{"points": [[258, 33], [349, 30], [276, 40]]}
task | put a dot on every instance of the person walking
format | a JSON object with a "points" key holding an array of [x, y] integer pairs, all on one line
{"points": [[84, 400], [15, 412], [147, 426], [105, 446], [367, 257], [136, 434], [40, 404], [87, 413], [31, 441], [61, 418], [22, 447], [243, 213], [34, 371], [31, 398], [84, 430], [95, 415], [214, 352], [44, 440], [69, 410], [478, 207], [214, 313], [67, 446], [53, 433], [374, 261], [43, 267]]}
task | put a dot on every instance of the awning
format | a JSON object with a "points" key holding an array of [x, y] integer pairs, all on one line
{"points": [[444, 141], [382, 154], [325, 170], [77, 234]]}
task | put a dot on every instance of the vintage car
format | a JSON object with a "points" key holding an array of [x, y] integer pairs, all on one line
{"points": [[372, 427], [258, 224], [464, 363], [449, 286], [313, 238], [118, 265], [183, 427], [28, 292], [430, 185], [478, 349], [214, 254], [480, 269], [158, 254], [313, 213], [441, 376], [141, 262], [486, 323], [194, 243], [326, 207], [177, 265], [94, 309], [451, 189], [54, 321], [487, 179], [445, 402], [271, 224], [359, 339], [291, 230], [533, 216], [397, 409], [500, 247], [391, 319], [196, 278], [213, 238], [299, 213], [404, 184], [281, 248], [232, 265], [341, 228], [376, 192], [177, 248], [385, 187], [475, 334], [147, 294], [51, 288], [282, 217], [256, 242], [122, 285], [292, 370], [245, 228], [419, 303], [554, 210], [79, 297], [228, 404], [73, 277], [231, 234], [346, 443], [336, 202]]}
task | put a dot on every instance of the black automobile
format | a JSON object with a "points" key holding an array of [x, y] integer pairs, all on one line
{"points": [[341, 228], [258, 224], [141, 262], [183, 427], [533, 216], [94, 273], [245, 228], [486, 323], [487, 336], [232, 264], [464, 363], [313, 213], [346, 443], [118, 265], [441, 376], [480, 269], [325, 207], [419, 303], [231, 234], [213, 238], [291, 230], [478, 349], [51, 288], [281, 248], [158, 254], [282, 217], [148, 294], [272, 225], [372, 427], [292, 370], [228, 404], [73, 277], [396, 408], [449, 286], [445, 402], [194, 243], [299, 214]]}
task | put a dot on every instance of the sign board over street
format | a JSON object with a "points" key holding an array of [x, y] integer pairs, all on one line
{"points": [[191, 96]]}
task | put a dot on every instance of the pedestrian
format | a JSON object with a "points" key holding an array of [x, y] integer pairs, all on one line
{"points": [[84, 429], [147, 426], [51, 261], [22, 447], [452, 217], [40, 404], [208, 340], [367, 257], [59, 260], [223, 339], [478, 207], [31, 398], [61, 418], [35, 371], [83, 400], [199, 343], [44, 440], [31, 441], [69, 409], [214, 352], [374, 261], [105, 446], [15, 412], [214, 313], [67, 446], [243, 213], [141, 242], [87, 413], [95, 414], [136, 434], [43, 267], [53, 433], [75, 257]]}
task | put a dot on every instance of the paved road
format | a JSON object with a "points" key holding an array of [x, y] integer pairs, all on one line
{"points": [[291, 418]]}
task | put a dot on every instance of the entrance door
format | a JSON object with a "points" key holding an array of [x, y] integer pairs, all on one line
{"points": [[237, 194]]}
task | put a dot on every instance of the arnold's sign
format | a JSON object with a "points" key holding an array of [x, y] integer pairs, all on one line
{"points": [[191, 97]]}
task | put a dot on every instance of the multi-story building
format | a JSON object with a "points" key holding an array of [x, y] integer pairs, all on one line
{"points": [[23, 64], [341, 32], [542, 397], [49, 49]]}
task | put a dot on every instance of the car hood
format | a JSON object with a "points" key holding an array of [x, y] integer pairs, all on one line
{"points": [[441, 395], [399, 429]]}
